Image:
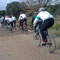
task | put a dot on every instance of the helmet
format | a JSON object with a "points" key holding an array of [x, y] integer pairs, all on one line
{"points": [[41, 9]]}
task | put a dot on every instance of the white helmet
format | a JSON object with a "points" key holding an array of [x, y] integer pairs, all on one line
{"points": [[41, 9]]}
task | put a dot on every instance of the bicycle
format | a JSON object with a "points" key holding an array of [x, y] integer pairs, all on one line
{"points": [[9, 27], [37, 39], [24, 28]]}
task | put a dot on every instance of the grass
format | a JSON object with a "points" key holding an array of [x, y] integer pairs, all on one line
{"points": [[56, 26], [29, 22], [54, 31]]}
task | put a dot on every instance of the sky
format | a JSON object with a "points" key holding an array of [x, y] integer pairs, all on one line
{"points": [[3, 3]]}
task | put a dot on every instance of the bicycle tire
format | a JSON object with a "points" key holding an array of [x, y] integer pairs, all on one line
{"points": [[37, 37], [51, 44], [11, 29]]}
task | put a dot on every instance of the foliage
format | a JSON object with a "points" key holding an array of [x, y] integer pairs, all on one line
{"points": [[32, 9], [24, 7], [2, 13], [55, 9], [15, 8], [42, 2]]}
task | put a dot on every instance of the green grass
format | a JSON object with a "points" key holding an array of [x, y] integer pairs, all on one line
{"points": [[56, 27], [55, 32], [29, 22]]}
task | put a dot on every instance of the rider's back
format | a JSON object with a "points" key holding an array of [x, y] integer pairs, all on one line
{"points": [[44, 15]]}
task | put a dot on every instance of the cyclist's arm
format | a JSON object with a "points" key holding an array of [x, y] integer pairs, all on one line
{"points": [[38, 18]]}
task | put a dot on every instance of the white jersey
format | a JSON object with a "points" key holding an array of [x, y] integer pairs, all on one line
{"points": [[44, 15], [2, 18], [6, 18], [13, 18], [10, 19], [22, 16]]}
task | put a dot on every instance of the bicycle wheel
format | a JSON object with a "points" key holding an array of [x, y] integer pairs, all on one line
{"points": [[25, 29], [11, 29], [37, 38], [51, 44]]}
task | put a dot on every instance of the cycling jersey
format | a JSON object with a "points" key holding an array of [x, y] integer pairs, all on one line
{"points": [[13, 18], [6, 18], [10, 19], [44, 15], [2, 18], [22, 16], [47, 21]]}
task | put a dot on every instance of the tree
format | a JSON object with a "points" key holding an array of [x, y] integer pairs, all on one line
{"points": [[55, 9], [2, 13], [23, 6], [13, 9], [41, 2]]}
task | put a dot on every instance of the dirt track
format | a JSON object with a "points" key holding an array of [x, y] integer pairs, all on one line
{"points": [[19, 46]]}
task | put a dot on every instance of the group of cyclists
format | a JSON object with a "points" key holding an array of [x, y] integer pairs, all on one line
{"points": [[11, 20], [8, 20], [43, 17]]}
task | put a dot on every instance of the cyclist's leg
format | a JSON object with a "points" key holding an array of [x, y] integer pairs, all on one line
{"points": [[35, 29], [32, 23], [22, 24], [5, 22], [14, 23], [25, 21], [11, 24], [45, 25]]}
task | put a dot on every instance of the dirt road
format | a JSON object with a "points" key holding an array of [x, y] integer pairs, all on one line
{"points": [[19, 46]]}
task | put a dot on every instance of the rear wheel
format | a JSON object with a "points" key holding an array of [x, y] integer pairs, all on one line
{"points": [[51, 44], [25, 29], [10, 29]]}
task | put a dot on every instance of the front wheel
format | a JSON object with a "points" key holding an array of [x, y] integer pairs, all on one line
{"points": [[10, 28], [51, 44], [36, 39]]}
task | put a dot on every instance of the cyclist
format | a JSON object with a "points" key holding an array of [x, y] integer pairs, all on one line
{"points": [[34, 15], [6, 19], [2, 20], [47, 21], [14, 21], [10, 21], [22, 19]]}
